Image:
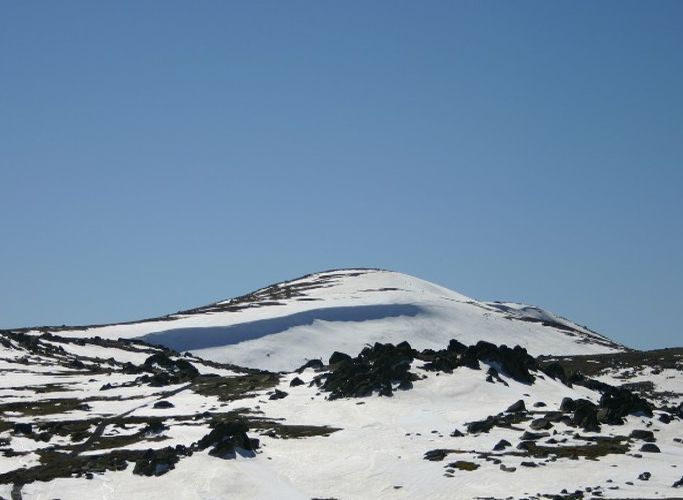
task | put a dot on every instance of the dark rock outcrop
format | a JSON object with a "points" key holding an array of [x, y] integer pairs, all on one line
{"points": [[164, 370], [338, 357], [516, 406], [296, 381], [586, 415], [381, 368], [643, 435], [21, 428], [501, 445], [650, 448], [163, 404], [278, 394], [157, 462], [226, 438]]}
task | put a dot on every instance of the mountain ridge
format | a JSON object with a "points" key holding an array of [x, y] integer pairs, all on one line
{"points": [[282, 325]]}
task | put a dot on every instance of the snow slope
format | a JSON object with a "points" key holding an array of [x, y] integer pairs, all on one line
{"points": [[283, 325], [377, 449]]}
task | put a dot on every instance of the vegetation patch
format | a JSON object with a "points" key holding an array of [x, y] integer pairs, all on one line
{"points": [[284, 431], [463, 465], [232, 388]]}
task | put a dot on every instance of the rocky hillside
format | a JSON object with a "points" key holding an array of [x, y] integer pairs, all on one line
{"points": [[125, 419]]}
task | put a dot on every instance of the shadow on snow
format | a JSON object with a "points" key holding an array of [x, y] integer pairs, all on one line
{"points": [[188, 339]]}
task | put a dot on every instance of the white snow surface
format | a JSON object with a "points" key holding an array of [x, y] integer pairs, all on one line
{"points": [[282, 326]]}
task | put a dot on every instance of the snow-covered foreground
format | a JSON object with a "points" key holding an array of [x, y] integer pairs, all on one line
{"points": [[84, 407], [107, 412], [282, 326]]}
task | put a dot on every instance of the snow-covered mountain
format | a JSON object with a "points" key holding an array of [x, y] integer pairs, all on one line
{"points": [[383, 386], [281, 326]]}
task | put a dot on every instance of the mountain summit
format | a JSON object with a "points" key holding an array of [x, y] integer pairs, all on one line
{"points": [[281, 326], [352, 383]]}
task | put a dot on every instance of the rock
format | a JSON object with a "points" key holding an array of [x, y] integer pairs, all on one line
{"points": [[163, 404], [377, 368], [643, 435], [481, 425], [154, 427], [621, 402], [339, 357], [316, 364], [608, 416], [665, 418], [645, 476], [20, 428], [463, 465], [456, 433], [540, 404], [540, 424], [650, 448], [529, 464], [226, 437], [586, 415], [515, 362], [567, 405], [678, 483], [533, 436], [505, 468], [457, 347], [167, 371], [516, 407], [296, 381], [278, 394], [526, 445], [555, 370], [436, 455], [554, 416], [501, 445], [156, 462]]}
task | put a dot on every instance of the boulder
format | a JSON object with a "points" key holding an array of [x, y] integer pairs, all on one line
{"points": [[650, 448], [501, 445], [555, 370], [515, 362], [567, 405], [315, 364], [516, 406], [540, 424], [278, 394], [377, 368], [339, 357], [20, 428], [163, 404], [643, 435], [156, 462], [533, 436], [226, 438], [154, 427], [621, 402], [586, 415], [296, 381], [436, 455], [480, 426]]}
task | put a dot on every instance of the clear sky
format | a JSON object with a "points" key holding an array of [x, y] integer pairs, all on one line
{"points": [[156, 156]]}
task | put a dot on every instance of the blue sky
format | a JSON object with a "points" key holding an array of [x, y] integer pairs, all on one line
{"points": [[160, 155]]}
